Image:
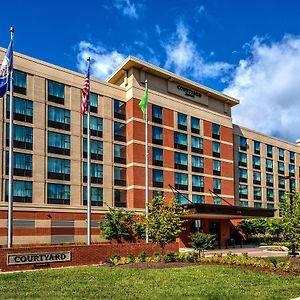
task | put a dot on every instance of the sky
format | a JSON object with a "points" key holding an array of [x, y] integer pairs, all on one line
{"points": [[249, 50]]}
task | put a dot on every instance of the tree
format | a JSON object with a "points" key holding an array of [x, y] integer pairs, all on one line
{"points": [[201, 241], [164, 221]]}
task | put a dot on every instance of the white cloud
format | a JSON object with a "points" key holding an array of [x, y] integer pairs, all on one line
{"points": [[200, 9], [104, 62], [268, 85], [126, 7], [184, 58]]}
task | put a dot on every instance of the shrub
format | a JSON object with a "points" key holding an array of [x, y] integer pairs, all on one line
{"points": [[169, 257], [131, 257], [142, 256], [201, 241]]}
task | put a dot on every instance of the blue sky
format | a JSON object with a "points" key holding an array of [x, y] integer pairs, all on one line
{"points": [[247, 49]]}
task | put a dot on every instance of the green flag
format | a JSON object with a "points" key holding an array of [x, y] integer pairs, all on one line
{"points": [[144, 101]]}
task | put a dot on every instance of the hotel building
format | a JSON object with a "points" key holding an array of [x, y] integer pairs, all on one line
{"points": [[221, 171]]}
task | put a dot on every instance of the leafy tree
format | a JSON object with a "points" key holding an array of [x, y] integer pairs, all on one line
{"points": [[201, 241]]}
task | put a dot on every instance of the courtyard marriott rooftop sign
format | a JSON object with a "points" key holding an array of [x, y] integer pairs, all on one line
{"points": [[37, 258], [188, 92]]}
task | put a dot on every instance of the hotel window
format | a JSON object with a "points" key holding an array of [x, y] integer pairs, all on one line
{"points": [[197, 144], [217, 167], [256, 162], [119, 154], [23, 137], [197, 183], [96, 173], [58, 168], [243, 191], [157, 115], [120, 197], [157, 156], [22, 191], [199, 199], [257, 193], [281, 196], [257, 205], [216, 149], [256, 177], [243, 143], [93, 102], [292, 157], [269, 151], [58, 193], [197, 164], [269, 165], [56, 92], [280, 154], [242, 159], [256, 147], [215, 131], [292, 170], [119, 109], [120, 131], [292, 184], [157, 135], [96, 196], [58, 143], [96, 125], [280, 167], [281, 182], [180, 161], [182, 198], [120, 176], [270, 206], [158, 194], [217, 200], [182, 121], [180, 141], [195, 125], [22, 164], [217, 185], [181, 181], [58, 118], [243, 175], [270, 195], [96, 149], [20, 82], [269, 180], [22, 109], [244, 203], [157, 178]]}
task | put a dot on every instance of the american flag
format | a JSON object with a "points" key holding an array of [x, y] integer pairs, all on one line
{"points": [[85, 92]]}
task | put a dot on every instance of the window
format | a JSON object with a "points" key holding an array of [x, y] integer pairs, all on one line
{"points": [[197, 164], [120, 176], [180, 140], [197, 144], [257, 205], [96, 149], [58, 193], [217, 167], [281, 196], [280, 167], [215, 131], [198, 199], [157, 135], [256, 145], [96, 196], [56, 92], [281, 182], [96, 125], [269, 180], [157, 178], [243, 143], [93, 98], [280, 154], [292, 183], [22, 191], [243, 176], [119, 110], [181, 181], [197, 183], [269, 165], [217, 185], [180, 161], [292, 157], [119, 154], [58, 118], [96, 173], [269, 151], [195, 125], [243, 191], [257, 193], [120, 198], [216, 149], [256, 177], [182, 198], [158, 194], [217, 200], [58, 143], [270, 195], [157, 116], [256, 162], [182, 121], [22, 109], [157, 156], [292, 169], [244, 203], [22, 164], [23, 137], [58, 168], [242, 159], [19, 82]]}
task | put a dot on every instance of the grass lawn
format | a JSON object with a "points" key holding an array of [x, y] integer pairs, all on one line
{"points": [[196, 282]]}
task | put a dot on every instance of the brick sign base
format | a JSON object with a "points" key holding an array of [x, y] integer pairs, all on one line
{"points": [[79, 254]]}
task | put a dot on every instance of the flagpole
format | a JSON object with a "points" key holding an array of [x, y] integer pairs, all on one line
{"points": [[11, 156], [146, 163]]}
